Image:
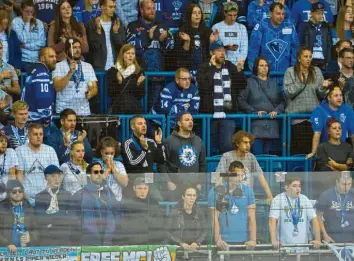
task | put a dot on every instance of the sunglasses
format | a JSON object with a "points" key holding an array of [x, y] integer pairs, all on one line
{"points": [[16, 191], [96, 172]]}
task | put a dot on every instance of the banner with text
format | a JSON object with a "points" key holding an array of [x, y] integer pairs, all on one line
{"points": [[129, 253], [41, 253]]}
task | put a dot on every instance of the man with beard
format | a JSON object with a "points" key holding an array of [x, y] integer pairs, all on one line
{"points": [[331, 107], [97, 208], [54, 211], [17, 220], [38, 92], [9, 162], [33, 158], [62, 139], [74, 81], [185, 153], [215, 79], [346, 75]]}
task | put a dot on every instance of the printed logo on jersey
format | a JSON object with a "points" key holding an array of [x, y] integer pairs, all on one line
{"points": [[277, 48], [342, 117], [187, 155], [338, 207], [177, 5], [36, 167]]}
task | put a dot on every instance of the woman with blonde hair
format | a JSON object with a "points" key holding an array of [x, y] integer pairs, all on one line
{"points": [[126, 83], [74, 170], [63, 27], [343, 24]]}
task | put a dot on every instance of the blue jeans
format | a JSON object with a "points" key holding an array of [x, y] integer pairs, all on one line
{"points": [[262, 146], [222, 131]]}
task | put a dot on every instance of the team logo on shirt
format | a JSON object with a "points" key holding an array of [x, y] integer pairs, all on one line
{"points": [[338, 207], [187, 155], [36, 167], [342, 117], [277, 47], [177, 5]]}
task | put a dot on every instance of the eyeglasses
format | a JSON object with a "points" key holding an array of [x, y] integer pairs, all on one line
{"points": [[96, 172], [185, 79], [349, 58], [15, 191]]}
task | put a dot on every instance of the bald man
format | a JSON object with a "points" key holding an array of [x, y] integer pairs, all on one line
{"points": [[39, 92]]}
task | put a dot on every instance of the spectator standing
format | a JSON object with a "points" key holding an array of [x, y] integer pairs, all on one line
{"points": [[65, 26], [301, 11], [343, 25], [259, 9], [125, 82], [274, 39], [17, 219], [55, 211], [178, 96], [242, 141], [193, 39], [62, 139], [346, 75], [290, 215], [92, 10], [114, 171], [186, 225], [303, 86], [74, 170], [45, 10], [334, 155], [316, 36], [335, 205], [31, 33], [127, 11], [9, 84], [236, 223], [33, 158], [335, 65], [106, 35], [9, 163], [173, 12], [233, 35], [39, 92], [331, 107], [17, 134], [74, 81], [219, 83], [98, 209], [150, 38], [185, 153], [264, 97]]}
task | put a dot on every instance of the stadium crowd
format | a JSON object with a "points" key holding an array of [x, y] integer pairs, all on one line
{"points": [[58, 188]]}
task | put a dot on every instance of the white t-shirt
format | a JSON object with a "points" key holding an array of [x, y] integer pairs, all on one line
{"points": [[112, 182], [33, 164], [72, 96], [233, 34], [280, 211], [5, 46], [8, 160], [74, 179], [107, 31]]}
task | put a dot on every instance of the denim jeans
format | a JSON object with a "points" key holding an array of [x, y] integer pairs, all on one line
{"points": [[222, 131]]}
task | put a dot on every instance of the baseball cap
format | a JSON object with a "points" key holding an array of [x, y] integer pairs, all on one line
{"points": [[3, 134], [51, 169], [230, 6], [215, 45], [139, 181], [11, 184], [317, 7]]}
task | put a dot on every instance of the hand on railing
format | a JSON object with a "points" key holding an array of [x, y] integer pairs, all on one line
{"points": [[276, 244], [316, 243], [250, 245], [328, 239], [221, 243], [310, 155]]}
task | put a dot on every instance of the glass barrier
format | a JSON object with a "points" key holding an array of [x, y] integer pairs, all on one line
{"points": [[182, 216]]}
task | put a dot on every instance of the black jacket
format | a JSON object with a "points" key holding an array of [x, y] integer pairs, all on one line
{"points": [[176, 225], [143, 222], [125, 96], [206, 86], [7, 221], [309, 38], [139, 160], [59, 228], [97, 44]]}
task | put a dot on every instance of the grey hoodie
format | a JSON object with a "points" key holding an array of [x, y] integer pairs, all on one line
{"points": [[183, 155]]}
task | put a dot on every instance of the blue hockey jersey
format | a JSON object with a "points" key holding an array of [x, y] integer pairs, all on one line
{"points": [[278, 44], [39, 94], [173, 11]]}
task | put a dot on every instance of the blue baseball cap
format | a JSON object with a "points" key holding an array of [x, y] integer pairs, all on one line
{"points": [[215, 45], [51, 169]]}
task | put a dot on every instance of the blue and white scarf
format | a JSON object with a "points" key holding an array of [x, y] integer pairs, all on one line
{"points": [[222, 91]]}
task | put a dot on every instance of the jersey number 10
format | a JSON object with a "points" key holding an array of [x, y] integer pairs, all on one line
{"points": [[44, 87]]}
